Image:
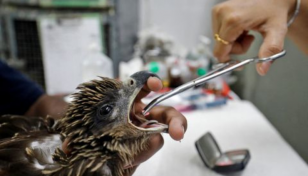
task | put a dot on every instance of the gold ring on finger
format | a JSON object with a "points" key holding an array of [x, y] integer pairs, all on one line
{"points": [[217, 38]]}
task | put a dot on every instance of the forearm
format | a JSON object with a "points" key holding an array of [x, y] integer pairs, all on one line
{"points": [[298, 30], [55, 106]]}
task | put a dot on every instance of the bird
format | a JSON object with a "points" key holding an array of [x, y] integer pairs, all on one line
{"points": [[103, 129]]}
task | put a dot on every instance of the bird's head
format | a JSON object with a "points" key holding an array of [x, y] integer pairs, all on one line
{"points": [[104, 110]]}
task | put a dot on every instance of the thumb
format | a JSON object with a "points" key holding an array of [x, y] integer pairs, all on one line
{"points": [[272, 44]]}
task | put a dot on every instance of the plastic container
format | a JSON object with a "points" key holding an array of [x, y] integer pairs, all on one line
{"points": [[96, 64]]}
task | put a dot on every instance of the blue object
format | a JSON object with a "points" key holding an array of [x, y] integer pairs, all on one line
{"points": [[17, 92], [217, 102], [204, 104], [195, 96]]}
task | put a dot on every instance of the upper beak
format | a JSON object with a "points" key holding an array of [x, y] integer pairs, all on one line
{"points": [[142, 77]]}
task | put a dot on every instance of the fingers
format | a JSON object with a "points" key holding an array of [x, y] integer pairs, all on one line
{"points": [[242, 44], [65, 147], [232, 18], [220, 52], [153, 84], [216, 21], [170, 116], [177, 127], [230, 27], [273, 43]]}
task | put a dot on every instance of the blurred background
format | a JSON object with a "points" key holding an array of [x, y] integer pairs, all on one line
{"points": [[61, 43]]}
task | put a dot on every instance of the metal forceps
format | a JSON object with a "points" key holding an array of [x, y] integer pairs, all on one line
{"points": [[219, 69]]}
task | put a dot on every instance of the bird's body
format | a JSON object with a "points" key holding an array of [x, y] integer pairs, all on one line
{"points": [[104, 134], [20, 135]]}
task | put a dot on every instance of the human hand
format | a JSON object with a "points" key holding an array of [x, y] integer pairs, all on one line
{"points": [[168, 115], [233, 19], [52, 105]]}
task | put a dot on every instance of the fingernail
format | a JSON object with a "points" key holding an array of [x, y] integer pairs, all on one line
{"points": [[183, 131], [260, 69], [147, 114], [265, 67]]}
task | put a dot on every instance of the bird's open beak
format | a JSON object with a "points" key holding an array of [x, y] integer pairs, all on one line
{"points": [[135, 117], [139, 121]]}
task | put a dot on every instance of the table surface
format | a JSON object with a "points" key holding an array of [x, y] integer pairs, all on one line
{"points": [[238, 125]]}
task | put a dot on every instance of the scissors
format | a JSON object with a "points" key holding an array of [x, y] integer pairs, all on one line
{"points": [[219, 69]]}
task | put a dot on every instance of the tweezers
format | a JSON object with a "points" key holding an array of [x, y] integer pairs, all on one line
{"points": [[219, 69]]}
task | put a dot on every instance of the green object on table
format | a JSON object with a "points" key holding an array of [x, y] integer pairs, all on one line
{"points": [[201, 71]]}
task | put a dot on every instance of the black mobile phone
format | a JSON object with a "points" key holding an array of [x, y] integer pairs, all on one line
{"points": [[214, 159]]}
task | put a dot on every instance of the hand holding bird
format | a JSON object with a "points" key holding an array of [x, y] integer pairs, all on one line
{"points": [[103, 130]]}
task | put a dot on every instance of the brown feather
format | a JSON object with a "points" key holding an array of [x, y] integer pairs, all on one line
{"points": [[101, 138]]}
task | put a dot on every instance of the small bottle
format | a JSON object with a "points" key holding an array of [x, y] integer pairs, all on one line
{"points": [[96, 64], [175, 77]]}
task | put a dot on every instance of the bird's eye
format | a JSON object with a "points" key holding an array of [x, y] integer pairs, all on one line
{"points": [[105, 110]]}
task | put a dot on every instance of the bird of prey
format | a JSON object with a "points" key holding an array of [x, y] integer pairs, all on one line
{"points": [[104, 131]]}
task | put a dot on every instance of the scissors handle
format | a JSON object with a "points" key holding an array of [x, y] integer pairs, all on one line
{"points": [[220, 70], [271, 58]]}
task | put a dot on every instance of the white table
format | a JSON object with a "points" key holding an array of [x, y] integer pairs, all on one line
{"points": [[237, 125]]}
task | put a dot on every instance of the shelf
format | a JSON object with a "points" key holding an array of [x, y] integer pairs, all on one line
{"points": [[60, 3]]}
